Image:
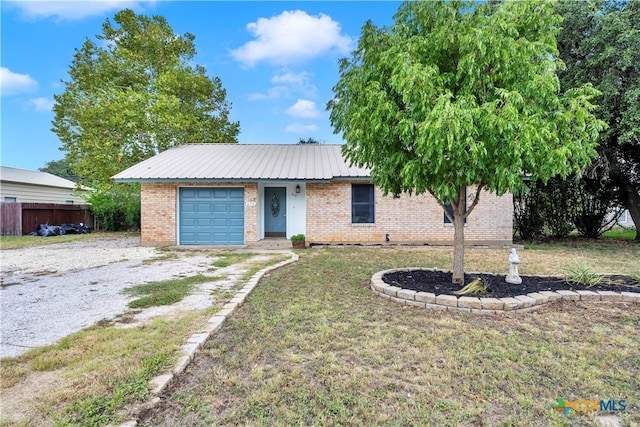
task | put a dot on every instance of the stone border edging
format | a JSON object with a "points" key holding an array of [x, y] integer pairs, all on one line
{"points": [[520, 303], [197, 341]]}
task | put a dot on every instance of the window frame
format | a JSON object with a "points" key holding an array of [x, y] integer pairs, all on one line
{"points": [[370, 204]]}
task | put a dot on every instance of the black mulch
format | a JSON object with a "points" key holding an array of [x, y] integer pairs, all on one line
{"points": [[438, 282]]}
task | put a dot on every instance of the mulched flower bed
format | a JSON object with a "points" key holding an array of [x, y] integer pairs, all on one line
{"points": [[439, 282]]}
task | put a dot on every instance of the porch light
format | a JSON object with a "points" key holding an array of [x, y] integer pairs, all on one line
{"points": [[297, 189]]}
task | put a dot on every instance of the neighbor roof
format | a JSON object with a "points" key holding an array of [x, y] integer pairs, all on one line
{"points": [[34, 177], [244, 162]]}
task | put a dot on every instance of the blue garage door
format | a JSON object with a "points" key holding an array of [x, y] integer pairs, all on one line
{"points": [[211, 216]]}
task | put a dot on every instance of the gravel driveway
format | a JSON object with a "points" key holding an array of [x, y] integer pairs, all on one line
{"points": [[49, 292]]}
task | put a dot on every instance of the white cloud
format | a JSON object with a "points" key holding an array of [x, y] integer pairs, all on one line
{"points": [[42, 104], [287, 84], [303, 108], [299, 82], [292, 36], [299, 128], [14, 83], [71, 10], [275, 92]]}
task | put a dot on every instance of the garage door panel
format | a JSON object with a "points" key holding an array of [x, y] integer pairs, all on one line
{"points": [[204, 222], [236, 207], [220, 222], [221, 194], [188, 207], [236, 222], [210, 216], [236, 236], [204, 207]]}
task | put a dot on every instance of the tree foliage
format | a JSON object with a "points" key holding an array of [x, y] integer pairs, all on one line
{"points": [[309, 141], [116, 208], [456, 95], [61, 168], [134, 93], [562, 205], [600, 43]]}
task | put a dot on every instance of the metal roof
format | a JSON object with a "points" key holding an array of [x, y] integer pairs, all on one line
{"points": [[244, 162], [34, 177]]}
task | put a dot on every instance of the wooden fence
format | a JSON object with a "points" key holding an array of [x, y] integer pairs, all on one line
{"points": [[22, 218]]}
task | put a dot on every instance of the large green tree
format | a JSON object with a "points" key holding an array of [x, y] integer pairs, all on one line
{"points": [[60, 168], [600, 43], [133, 93], [456, 95]]}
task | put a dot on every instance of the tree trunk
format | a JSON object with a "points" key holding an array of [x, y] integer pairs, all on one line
{"points": [[629, 197], [458, 247], [632, 199]]}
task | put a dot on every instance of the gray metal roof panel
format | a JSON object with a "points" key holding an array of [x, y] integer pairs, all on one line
{"points": [[34, 177], [245, 162]]}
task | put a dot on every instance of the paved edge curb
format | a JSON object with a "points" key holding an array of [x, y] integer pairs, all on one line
{"points": [[488, 306], [197, 341]]}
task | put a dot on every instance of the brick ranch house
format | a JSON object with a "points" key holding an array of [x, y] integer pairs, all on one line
{"points": [[237, 194]]}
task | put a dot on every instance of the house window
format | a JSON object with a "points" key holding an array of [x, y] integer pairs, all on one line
{"points": [[362, 205], [449, 208], [10, 199], [623, 217], [69, 202]]}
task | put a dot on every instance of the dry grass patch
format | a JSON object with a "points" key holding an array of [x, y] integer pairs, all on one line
{"points": [[16, 242], [90, 376], [313, 346]]}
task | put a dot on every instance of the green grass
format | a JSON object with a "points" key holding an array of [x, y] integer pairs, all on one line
{"points": [[582, 274], [313, 346], [621, 233], [229, 258], [256, 266], [89, 376], [164, 292]]}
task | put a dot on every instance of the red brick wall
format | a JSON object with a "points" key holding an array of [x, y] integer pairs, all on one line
{"points": [[415, 219], [159, 210]]}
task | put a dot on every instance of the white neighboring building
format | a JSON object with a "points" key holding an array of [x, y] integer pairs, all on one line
{"points": [[21, 185], [625, 220]]}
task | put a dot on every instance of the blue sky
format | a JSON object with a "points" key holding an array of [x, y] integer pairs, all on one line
{"points": [[278, 61]]}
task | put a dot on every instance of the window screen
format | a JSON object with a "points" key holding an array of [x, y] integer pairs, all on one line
{"points": [[362, 204]]}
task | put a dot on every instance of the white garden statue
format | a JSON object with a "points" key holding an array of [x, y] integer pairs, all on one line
{"points": [[513, 277]]}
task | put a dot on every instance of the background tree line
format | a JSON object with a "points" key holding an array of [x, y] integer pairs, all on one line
{"points": [[599, 43]]}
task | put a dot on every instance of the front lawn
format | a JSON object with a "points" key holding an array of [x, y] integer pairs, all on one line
{"points": [[313, 346], [620, 233]]}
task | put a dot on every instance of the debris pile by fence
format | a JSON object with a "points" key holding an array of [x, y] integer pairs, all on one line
{"points": [[46, 230]]}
